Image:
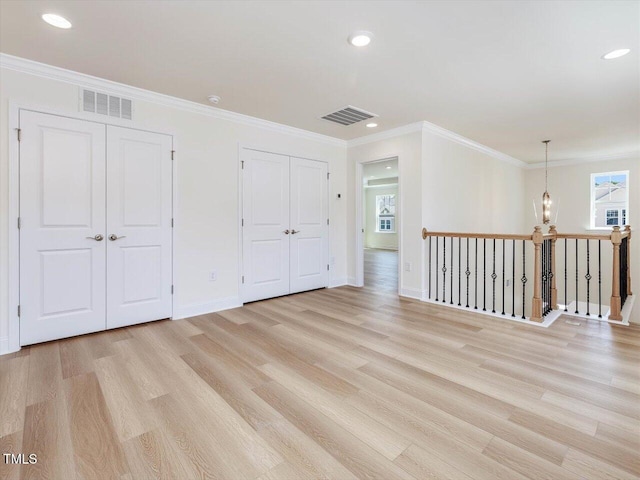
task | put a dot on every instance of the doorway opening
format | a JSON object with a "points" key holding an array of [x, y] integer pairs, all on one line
{"points": [[380, 225]]}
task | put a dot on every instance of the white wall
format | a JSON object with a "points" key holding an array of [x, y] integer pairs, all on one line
{"points": [[206, 231], [372, 238], [407, 148]]}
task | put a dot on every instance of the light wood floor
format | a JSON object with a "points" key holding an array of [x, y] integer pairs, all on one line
{"points": [[381, 269], [342, 384]]}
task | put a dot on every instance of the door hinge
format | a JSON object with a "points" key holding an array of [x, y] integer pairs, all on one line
{"points": [[327, 221], [19, 133], [19, 223], [171, 289], [327, 175], [327, 266], [173, 153], [242, 278], [18, 310], [242, 164], [172, 223], [243, 222]]}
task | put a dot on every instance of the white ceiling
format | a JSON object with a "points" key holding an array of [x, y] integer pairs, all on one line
{"points": [[379, 170], [505, 74]]}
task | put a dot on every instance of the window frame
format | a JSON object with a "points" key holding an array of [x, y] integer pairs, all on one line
{"points": [[391, 218], [593, 206]]}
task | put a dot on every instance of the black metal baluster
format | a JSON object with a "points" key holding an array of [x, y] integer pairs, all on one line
{"points": [[429, 268], [599, 280], [444, 269], [544, 276], [565, 275], [451, 276], [484, 275], [475, 272], [513, 278], [467, 272], [437, 263], [576, 276], [459, 267], [503, 280], [493, 277], [524, 277], [588, 277]]}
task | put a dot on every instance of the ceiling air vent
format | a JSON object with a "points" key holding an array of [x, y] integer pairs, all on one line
{"points": [[349, 115], [105, 104]]}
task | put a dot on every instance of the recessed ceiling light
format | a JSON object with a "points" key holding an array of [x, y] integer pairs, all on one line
{"points": [[360, 39], [56, 20], [388, 167], [616, 53], [372, 125], [215, 99]]}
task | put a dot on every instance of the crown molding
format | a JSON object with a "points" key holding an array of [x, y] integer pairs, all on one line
{"points": [[51, 72], [632, 155], [467, 142], [425, 126], [391, 133]]}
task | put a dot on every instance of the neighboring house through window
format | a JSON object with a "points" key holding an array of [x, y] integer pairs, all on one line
{"points": [[385, 213], [609, 199]]}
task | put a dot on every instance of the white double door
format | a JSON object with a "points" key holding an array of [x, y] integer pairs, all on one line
{"points": [[95, 227], [285, 225]]}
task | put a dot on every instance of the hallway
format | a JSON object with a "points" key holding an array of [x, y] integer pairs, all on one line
{"points": [[381, 270]]}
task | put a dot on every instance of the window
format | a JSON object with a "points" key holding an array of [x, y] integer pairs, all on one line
{"points": [[609, 199], [385, 213]]}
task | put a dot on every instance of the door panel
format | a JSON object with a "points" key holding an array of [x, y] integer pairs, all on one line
{"points": [[139, 215], [62, 208], [309, 216], [266, 218]]}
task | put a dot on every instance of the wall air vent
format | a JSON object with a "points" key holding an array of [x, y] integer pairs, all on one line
{"points": [[348, 115], [105, 104]]}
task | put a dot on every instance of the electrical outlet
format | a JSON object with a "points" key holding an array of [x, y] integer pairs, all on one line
{"points": [[407, 266], [213, 276]]}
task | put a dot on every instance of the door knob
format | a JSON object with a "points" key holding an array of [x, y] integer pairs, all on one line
{"points": [[113, 237], [97, 238], [293, 232], [286, 232]]}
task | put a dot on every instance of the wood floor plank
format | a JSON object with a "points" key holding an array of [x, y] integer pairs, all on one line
{"points": [[349, 450], [308, 457], [10, 444], [46, 434], [45, 373], [382, 439], [97, 451], [13, 394], [129, 411]]}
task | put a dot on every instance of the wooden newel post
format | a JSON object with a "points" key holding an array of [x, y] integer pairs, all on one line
{"points": [[616, 306], [536, 305], [554, 289], [628, 230]]}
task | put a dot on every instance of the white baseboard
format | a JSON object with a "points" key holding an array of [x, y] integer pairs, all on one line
{"points": [[412, 293], [351, 281], [4, 345], [338, 282], [195, 309]]}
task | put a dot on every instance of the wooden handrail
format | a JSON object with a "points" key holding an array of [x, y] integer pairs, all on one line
{"points": [[583, 236], [497, 236]]}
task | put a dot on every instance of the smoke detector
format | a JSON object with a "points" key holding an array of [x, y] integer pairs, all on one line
{"points": [[215, 99]]}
